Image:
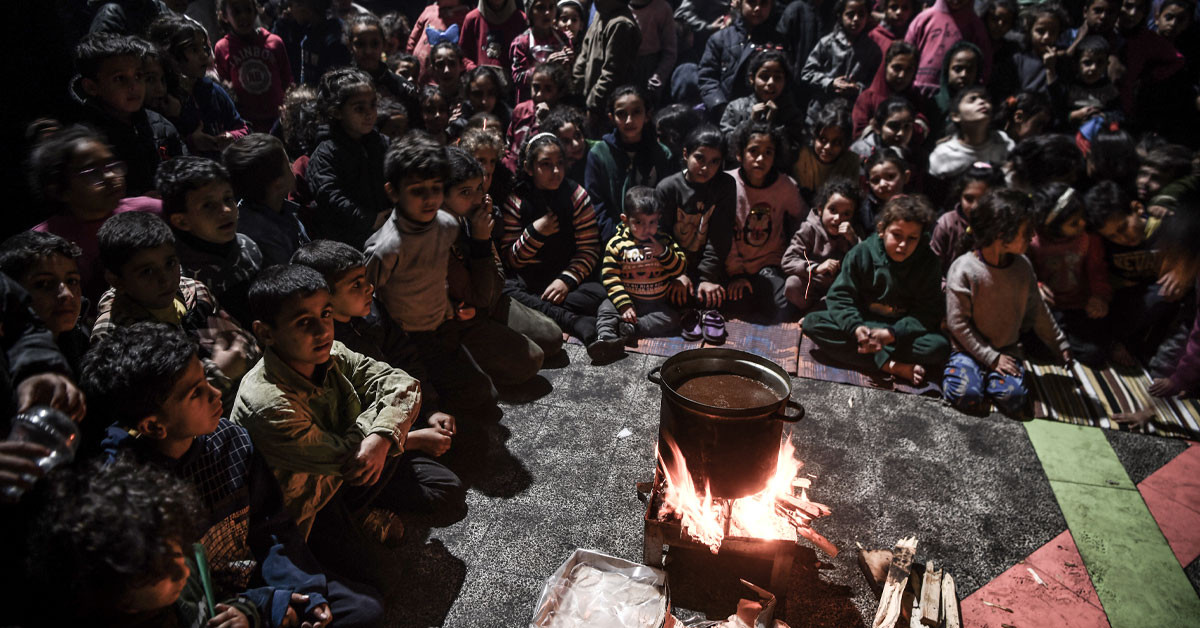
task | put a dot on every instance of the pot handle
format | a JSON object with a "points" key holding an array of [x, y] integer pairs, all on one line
{"points": [[654, 375], [791, 411]]}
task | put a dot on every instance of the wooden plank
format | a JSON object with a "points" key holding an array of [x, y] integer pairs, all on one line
{"points": [[931, 594], [949, 607], [891, 602]]}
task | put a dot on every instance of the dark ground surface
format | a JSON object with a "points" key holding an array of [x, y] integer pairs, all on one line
{"points": [[553, 476]]}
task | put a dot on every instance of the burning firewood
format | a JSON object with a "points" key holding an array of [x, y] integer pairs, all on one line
{"points": [[811, 510]]}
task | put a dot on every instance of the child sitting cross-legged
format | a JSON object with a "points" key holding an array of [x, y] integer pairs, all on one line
{"points": [[640, 265], [884, 309], [333, 424], [140, 263], [815, 254], [991, 296], [148, 382], [262, 180]]}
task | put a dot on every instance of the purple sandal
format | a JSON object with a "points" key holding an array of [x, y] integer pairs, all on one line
{"points": [[692, 329], [713, 325]]}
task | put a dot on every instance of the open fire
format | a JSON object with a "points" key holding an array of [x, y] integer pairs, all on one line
{"points": [[774, 513]]}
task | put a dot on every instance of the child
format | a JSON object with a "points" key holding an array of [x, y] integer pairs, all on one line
{"points": [[550, 243], [365, 33], [1072, 275], [1160, 167], [138, 254], [894, 78], [1091, 93], [974, 139], [1025, 115], [199, 205], [630, 155], [262, 180], [1043, 159], [47, 268], [113, 96], [485, 89], [444, 69], [355, 412], [147, 381], [396, 30], [656, 56], [770, 101], [440, 22], [208, 119], [769, 210], [991, 295], [936, 30], [640, 263], [345, 172], [607, 57], [815, 254], [698, 207], [406, 66], [548, 83], [844, 62], [1036, 67], [894, 25], [486, 146], [162, 83], [970, 186], [314, 40], [673, 123], [887, 173], [254, 61], [722, 70], [567, 123], [489, 30], [961, 69], [541, 43], [884, 309], [892, 126], [569, 18], [825, 155]]}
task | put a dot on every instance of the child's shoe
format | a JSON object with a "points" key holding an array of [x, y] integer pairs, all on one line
{"points": [[692, 330], [713, 326], [607, 348], [384, 526]]}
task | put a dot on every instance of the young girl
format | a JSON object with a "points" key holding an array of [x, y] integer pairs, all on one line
{"points": [[698, 207], [629, 155], [162, 85], [567, 123], [486, 145], [894, 78], [936, 30], [960, 70], [771, 102], [884, 309], [971, 185], [571, 20], [1024, 115], [991, 295], [485, 87], [892, 125], [974, 139], [345, 172], [1036, 66], [365, 33], [208, 119], [299, 122], [894, 25], [489, 30], [550, 243], [888, 173], [844, 62], [440, 22], [444, 68], [769, 210], [815, 254], [1072, 275], [826, 155], [435, 113], [541, 43], [550, 82], [260, 86]]}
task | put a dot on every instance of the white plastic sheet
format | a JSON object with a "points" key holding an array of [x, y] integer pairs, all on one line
{"points": [[600, 591]]}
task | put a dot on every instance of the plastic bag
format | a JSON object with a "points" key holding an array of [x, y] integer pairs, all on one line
{"points": [[600, 591]]}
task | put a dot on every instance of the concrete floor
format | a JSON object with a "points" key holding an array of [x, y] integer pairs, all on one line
{"points": [[552, 475]]}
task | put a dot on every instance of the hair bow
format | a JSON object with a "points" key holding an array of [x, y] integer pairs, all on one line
{"points": [[436, 37]]}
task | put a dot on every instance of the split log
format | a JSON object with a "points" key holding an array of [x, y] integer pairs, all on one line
{"points": [[891, 601], [812, 510], [931, 595], [874, 565], [818, 540], [949, 607]]}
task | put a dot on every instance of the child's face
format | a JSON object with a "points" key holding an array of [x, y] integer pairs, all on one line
{"points": [[999, 22], [241, 14], [755, 12], [367, 43], [156, 84], [886, 180], [758, 158], [769, 81], [1100, 16], [435, 113], [192, 408], [1074, 226], [900, 71], [964, 69], [358, 114], [408, 69], [629, 115], [854, 17], [1127, 230], [642, 227], [703, 164], [1020, 242], [465, 197], [543, 89], [150, 278], [1172, 20], [483, 94], [211, 213], [901, 238], [196, 58], [573, 142], [569, 21], [1150, 181], [418, 199], [445, 67], [970, 196], [974, 107], [1133, 13], [160, 593], [54, 289], [302, 334], [829, 144], [838, 210], [897, 13], [547, 169], [487, 157], [1044, 32], [1093, 67], [118, 84], [541, 15], [897, 129], [95, 182], [352, 294]]}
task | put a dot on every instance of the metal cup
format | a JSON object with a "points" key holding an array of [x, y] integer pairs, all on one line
{"points": [[50, 428]]}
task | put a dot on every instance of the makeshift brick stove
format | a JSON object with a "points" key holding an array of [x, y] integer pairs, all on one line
{"points": [[725, 478]]}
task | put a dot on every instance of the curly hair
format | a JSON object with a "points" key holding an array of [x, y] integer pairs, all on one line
{"points": [[743, 133], [999, 216], [474, 139], [128, 375], [337, 87], [841, 186], [908, 208], [298, 120]]}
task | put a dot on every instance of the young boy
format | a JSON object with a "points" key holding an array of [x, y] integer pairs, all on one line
{"points": [[331, 423], [407, 262], [314, 40], [138, 253], [1161, 167], [198, 204], [45, 265], [262, 180], [148, 380], [113, 94], [607, 56]]}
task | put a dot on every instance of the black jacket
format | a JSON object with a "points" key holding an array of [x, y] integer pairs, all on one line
{"points": [[346, 179]]}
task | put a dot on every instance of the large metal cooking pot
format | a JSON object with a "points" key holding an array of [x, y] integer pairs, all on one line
{"points": [[734, 450]]}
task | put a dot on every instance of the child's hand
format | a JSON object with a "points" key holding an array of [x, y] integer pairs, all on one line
{"points": [[228, 617], [560, 56], [456, 112], [54, 390], [434, 441], [541, 111], [653, 248], [367, 464], [19, 459], [1007, 365], [680, 289], [629, 315], [1158, 211], [1173, 284], [846, 230], [764, 111], [1083, 113], [1163, 387], [483, 221], [881, 337], [230, 356], [719, 23], [710, 294], [1047, 294], [443, 421], [1096, 307], [739, 288], [556, 291], [862, 336], [828, 267], [843, 85], [319, 617], [546, 225]]}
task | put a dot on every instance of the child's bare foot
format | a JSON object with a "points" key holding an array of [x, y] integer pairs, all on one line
{"points": [[1121, 356], [914, 373], [1138, 418]]}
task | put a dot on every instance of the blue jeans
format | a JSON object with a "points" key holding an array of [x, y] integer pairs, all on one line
{"points": [[969, 386]]}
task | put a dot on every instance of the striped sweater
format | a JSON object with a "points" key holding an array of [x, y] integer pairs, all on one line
{"points": [[628, 272], [569, 254]]}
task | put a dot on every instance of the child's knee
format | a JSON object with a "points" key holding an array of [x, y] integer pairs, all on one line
{"points": [[796, 290], [962, 384], [1008, 393]]}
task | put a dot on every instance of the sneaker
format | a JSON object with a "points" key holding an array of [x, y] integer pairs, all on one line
{"points": [[625, 331], [691, 325], [606, 349], [713, 325], [384, 526]]}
